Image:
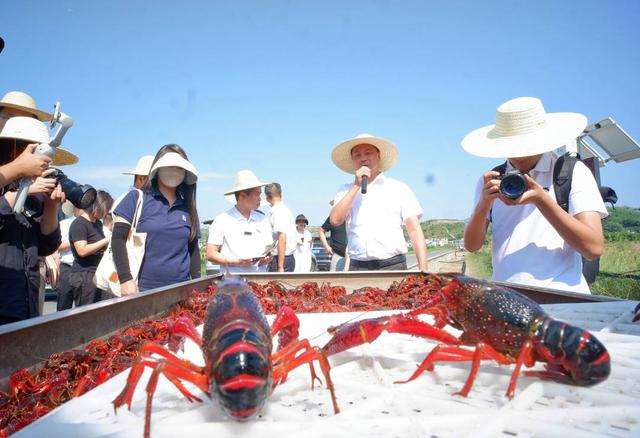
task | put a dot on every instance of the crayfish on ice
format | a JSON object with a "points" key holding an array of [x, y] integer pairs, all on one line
{"points": [[502, 324], [240, 371]]}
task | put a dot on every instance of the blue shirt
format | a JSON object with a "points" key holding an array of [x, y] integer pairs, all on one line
{"points": [[166, 258]]}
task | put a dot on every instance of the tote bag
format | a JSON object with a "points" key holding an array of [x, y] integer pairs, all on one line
{"points": [[106, 277]]}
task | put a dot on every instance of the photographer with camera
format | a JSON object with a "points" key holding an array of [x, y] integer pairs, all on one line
{"points": [[26, 235], [535, 241]]}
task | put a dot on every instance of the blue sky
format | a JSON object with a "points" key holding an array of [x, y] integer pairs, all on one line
{"points": [[273, 86]]}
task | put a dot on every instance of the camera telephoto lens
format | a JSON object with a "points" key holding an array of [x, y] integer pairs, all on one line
{"points": [[513, 185], [82, 196]]}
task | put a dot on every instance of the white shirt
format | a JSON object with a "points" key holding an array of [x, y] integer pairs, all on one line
{"points": [[282, 221], [239, 237], [66, 256], [303, 251], [526, 249], [374, 224]]}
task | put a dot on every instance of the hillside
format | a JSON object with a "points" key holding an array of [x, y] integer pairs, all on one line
{"points": [[443, 229]]}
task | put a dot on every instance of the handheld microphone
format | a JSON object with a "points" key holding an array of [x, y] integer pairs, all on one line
{"points": [[363, 183]]}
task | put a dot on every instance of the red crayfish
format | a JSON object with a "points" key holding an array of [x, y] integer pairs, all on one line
{"points": [[501, 323], [240, 371]]}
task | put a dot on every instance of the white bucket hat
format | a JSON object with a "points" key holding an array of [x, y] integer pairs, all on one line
{"points": [[143, 167], [34, 131], [174, 159], [341, 154], [522, 129], [24, 102], [245, 179]]}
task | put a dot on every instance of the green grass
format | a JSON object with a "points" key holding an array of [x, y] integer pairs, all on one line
{"points": [[619, 269], [479, 263]]}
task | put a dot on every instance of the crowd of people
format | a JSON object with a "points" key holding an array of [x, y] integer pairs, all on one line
{"points": [[534, 240]]}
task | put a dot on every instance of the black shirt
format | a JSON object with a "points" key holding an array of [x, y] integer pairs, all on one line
{"points": [[21, 242], [338, 239], [83, 229]]}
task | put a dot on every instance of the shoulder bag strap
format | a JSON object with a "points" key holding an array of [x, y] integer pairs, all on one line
{"points": [[138, 212], [562, 176]]}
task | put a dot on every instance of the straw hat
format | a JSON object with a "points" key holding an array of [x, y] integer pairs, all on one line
{"points": [[33, 131], [174, 159], [143, 167], [245, 179], [522, 129], [341, 154], [24, 102]]}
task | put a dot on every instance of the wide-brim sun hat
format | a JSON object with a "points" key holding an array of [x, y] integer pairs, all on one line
{"points": [[341, 154], [24, 102], [174, 159], [33, 131], [143, 167], [523, 129], [245, 180]]}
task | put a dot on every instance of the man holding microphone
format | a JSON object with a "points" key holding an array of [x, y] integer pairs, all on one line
{"points": [[375, 207]]}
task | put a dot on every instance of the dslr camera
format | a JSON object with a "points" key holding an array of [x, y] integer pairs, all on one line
{"points": [[80, 195], [512, 184]]}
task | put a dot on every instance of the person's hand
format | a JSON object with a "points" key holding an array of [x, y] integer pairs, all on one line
{"points": [[57, 195], [364, 170], [265, 260], [490, 190], [29, 164], [329, 249], [242, 262], [42, 184], [533, 195], [128, 288], [281, 269]]}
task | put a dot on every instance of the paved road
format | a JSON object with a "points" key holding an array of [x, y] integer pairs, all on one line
{"points": [[412, 261]]}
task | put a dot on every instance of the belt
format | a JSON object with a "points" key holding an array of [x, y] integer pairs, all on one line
{"points": [[377, 264]]}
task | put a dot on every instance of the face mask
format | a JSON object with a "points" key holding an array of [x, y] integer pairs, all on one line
{"points": [[171, 176]]}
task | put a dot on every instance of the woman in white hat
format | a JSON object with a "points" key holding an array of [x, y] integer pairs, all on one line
{"points": [[240, 239], [170, 220], [535, 241], [374, 219]]}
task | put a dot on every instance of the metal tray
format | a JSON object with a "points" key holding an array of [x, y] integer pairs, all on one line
{"points": [[30, 342]]}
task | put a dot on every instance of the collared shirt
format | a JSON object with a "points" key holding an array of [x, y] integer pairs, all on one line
{"points": [[526, 248], [166, 259], [282, 221], [242, 238], [374, 224]]}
